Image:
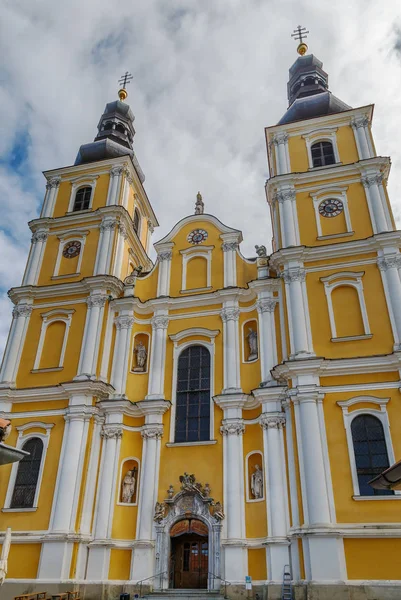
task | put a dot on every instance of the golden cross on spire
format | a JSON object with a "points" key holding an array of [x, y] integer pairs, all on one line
{"points": [[125, 79], [300, 34]]}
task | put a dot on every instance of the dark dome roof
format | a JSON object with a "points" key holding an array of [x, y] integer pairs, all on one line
{"points": [[318, 105]]}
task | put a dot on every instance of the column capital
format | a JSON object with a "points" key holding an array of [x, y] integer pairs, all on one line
{"points": [[22, 310], [389, 262], [54, 182], [123, 230], [357, 122], [284, 195], [308, 394], [116, 171], [166, 255], [150, 226], [266, 305], [293, 274], [154, 431], [39, 236], [108, 224], [372, 179], [229, 246], [112, 432], [267, 421], [96, 300], [230, 314], [124, 322], [280, 138], [159, 322], [232, 427]]}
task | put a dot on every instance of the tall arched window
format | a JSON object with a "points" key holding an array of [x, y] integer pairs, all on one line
{"points": [[137, 221], [82, 198], [322, 154], [192, 417], [370, 450], [27, 475]]}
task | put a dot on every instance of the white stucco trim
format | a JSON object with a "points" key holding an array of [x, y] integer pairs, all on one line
{"points": [[323, 134], [65, 238], [380, 413], [338, 193], [80, 182], [138, 462], [48, 318], [247, 477], [188, 254], [24, 435], [351, 279]]}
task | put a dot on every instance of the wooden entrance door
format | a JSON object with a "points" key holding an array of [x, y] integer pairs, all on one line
{"points": [[190, 554]]}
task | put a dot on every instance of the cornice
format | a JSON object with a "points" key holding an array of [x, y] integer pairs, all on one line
{"points": [[224, 229], [62, 391]]}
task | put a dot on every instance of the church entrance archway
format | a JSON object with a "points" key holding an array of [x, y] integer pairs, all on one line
{"points": [[189, 558]]}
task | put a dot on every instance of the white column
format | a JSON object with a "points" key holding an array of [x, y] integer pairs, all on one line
{"points": [[114, 185], [267, 336], [298, 315], [389, 266], [143, 555], [157, 356], [99, 553], [360, 126], [105, 246], [35, 257], [371, 184], [50, 197], [280, 141], [285, 199], [90, 344], [149, 233], [128, 181], [230, 263], [15, 343], [163, 282], [118, 261], [276, 494], [230, 316], [121, 356]]}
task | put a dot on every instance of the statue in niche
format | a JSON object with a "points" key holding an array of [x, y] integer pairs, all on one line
{"points": [[252, 339], [128, 487], [257, 483], [261, 251], [141, 356]]}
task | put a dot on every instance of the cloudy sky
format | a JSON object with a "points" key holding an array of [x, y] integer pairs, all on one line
{"points": [[209, 75]]}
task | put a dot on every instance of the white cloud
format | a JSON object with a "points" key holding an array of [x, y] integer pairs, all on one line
{"points": [[208, 77]]}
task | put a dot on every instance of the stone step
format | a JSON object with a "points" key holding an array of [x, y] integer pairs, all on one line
{"points": [[183, 594]]}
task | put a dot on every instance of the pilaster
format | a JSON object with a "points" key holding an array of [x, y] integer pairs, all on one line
{"points": [[15, 343], [157, 355], [38, 245], [294, 278], [230, 247], [280, 142], [360, 125], [164, 257], [90, 343], [121, 357], [372, 182], [52, 187], [389, 265], [230, 317], [105, 245], [288, 216]]}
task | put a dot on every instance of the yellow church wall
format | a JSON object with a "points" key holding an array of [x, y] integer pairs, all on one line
{"points": [[32, 406], [39, 519], [63, 199], [348, 152], [23, 561], [349, 510], [124, 518], [25, 377], [146, 287], [255, 512], [359, 378], [245, 271], [355, 258], [298, 154], [120, 564], [388, 202], [193, 309], [102, 188], [64, 193], [257, 566], [370, 558], [380, 327], [106, 316]]}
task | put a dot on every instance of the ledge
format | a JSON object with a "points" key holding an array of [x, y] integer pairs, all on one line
{"points": [[386, 497], [335, 235], [49, 370], [11, 510], [352, 338], [196, 290], [67, 276], [179, 444]]}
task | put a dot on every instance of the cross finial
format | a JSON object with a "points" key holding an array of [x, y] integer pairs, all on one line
{"points": [[300, 34], [124, 81]]}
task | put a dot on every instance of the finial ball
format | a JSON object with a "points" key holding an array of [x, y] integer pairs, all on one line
{"points": [[302, 48], [122, 94]]}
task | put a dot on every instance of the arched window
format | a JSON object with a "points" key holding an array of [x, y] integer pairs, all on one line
{"points": [[370, 450], [137, 220], [27, 475], [192, 417], [322, 154], [82, 198], [119, 127]]}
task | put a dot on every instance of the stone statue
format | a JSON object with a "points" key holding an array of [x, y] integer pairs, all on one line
{"points": [[170, 492], [206, 490], [141, 356], [261, 251], [199, 205], [257, 483], [218, 511], [4, 554], [160, 510], [252, 339], [131, 278], [128, 487], [5, 429]]}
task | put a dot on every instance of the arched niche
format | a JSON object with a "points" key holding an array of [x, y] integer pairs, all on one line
{"points": [[250, 341], [255, 476], [140, 353], [129, 482]]}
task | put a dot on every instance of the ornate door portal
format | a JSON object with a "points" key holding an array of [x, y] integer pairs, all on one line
{"points": [[189, 557]]}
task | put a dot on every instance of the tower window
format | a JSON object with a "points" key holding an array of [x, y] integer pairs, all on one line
{"points": [[27, 475], [82, 198], [192, 418], [137, 221], [323, 154], [370, 450]]}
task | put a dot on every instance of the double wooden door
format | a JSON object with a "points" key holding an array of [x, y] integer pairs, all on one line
{"points": [[190, 557]]}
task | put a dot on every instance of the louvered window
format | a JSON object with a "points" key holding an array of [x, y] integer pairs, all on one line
{"points": [[27, 475]]}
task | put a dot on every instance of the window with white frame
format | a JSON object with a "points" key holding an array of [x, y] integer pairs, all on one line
{"points": [[26, 476], [82, 193], [321, 145], [369, 443], [70, 253], [346, 306], [331, 212], [54, 339], [196, 268]]}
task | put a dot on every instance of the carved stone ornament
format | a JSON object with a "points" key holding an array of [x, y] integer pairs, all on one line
{"points": [[283, 195], [109, 433], [108, 224], [296, 274], [159, 322], [199, 204], [124, 322], [272, 421], [230, 314], [96, 300], [54, 182], [22, 310], [168, 255], [232, 427], [160, 512], [266, 305], [369, 180], [389, 262], [152, 432], [123, 230], [39, 236], [131, 278], [229, 246], [150, 226], [116, 171], [360, 122], [261, 251], [280, 138]]}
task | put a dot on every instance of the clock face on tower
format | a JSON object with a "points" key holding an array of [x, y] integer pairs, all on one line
{"points": [[72, 249], [197, 236], [331, 207]]}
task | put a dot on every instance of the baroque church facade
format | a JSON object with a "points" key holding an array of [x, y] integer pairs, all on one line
{"points": [[209, 417]]}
